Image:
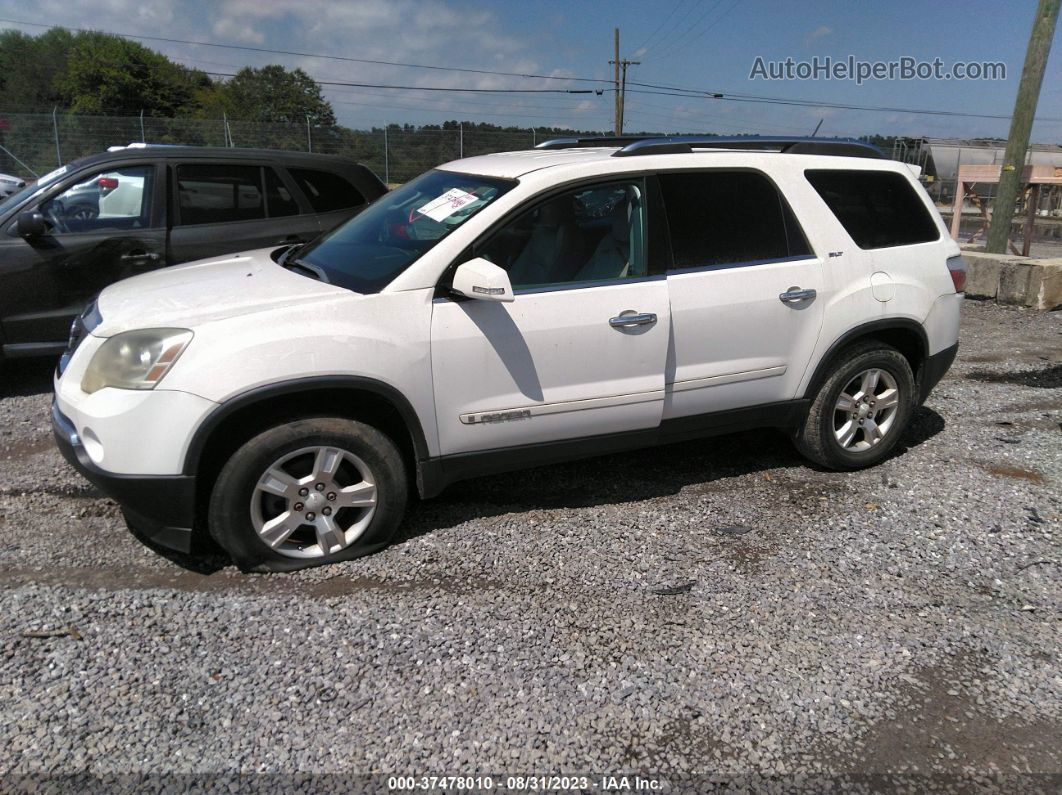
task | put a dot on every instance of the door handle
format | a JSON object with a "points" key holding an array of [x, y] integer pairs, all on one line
{"points": [[629, 319], [795, 295], [148, 255]]}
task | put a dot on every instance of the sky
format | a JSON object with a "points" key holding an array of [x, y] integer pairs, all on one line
{"points": [[707, 45]]}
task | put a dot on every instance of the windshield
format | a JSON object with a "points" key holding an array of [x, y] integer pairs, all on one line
{"points": [[373, 247], [16, 199]]}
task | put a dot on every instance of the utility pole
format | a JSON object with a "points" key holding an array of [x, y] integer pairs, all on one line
{"points": [[620, 83], [623, 91], [618, 126], [1032, 76]]}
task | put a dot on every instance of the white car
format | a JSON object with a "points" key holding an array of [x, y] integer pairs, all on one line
{"points": [[10, 185], [507, 311]]}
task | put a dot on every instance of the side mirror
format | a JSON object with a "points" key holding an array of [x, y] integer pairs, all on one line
{"points": [[481, 279], [31, 224]]}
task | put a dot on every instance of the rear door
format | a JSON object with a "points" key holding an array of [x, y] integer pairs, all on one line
{"points": [[222, 207], [746, 291], [333, 197], [104, 224]]}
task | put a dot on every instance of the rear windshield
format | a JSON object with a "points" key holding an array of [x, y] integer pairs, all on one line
{"points": [[373, 247], [878, 209]]}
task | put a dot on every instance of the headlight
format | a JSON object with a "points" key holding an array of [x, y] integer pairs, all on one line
{"points": [[135, 359]]}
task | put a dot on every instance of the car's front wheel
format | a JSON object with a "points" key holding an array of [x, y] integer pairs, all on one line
{"points": [[861, 410], [308, 492]]}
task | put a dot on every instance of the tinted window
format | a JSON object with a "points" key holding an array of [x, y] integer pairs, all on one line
{"points": [[586, 235], [728, 217], [876, 208], [326, 191], [218, 194], [279, 201], [117, 198]]}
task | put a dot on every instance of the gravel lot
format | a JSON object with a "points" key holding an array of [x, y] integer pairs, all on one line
{"points": [[599, 617]]}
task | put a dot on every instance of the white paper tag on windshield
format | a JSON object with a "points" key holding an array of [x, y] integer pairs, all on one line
{"points": [[447, 204]]}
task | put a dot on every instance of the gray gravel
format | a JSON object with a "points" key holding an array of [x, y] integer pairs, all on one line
{"points": [[608, 616]]}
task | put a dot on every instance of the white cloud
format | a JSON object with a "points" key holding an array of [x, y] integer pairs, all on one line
{"points": [[821, 32], [407, 31]]}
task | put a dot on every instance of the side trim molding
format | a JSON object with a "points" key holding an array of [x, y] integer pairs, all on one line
{"points": [[437, 473], [726, 378], [562, 407]]}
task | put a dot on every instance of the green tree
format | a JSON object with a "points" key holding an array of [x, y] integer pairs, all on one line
{"points": [[30, 67], [274, 94], [110, 75]]}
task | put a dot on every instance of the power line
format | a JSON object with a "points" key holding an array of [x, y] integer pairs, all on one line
{"points": [[812, 104], [678, 24], [663, 90], [309, 54], [685, 40], [659, 27], [597, 91]]}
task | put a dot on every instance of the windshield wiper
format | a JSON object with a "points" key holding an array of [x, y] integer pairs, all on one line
{"points": [[306, 269], [291, 249]]}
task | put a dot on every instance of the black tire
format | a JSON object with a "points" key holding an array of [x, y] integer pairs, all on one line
{"points": [[817, 440], [230, 514]]}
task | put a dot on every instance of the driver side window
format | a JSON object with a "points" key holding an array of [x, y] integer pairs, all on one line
{"points": [[589, 234], [115, 199]]}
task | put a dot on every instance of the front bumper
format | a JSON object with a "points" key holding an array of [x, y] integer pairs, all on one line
{"points": [[161, 507]]}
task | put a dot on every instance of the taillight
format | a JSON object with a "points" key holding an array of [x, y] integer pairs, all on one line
{"points": [[108, 183], [957, 269]]}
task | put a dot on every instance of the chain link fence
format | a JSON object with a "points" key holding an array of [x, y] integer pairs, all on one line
{"points": [[35, 143]]}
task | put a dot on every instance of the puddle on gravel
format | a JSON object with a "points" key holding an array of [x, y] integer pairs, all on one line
{"points": [[943, 728], [24, 448], [113, 579], [1008, 471], [1045, 378]]}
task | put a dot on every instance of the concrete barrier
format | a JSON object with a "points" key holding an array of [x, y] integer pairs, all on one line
{"points": [[1020, 281]]}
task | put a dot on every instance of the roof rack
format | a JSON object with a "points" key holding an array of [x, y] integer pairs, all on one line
{"points": [[685, 144]]}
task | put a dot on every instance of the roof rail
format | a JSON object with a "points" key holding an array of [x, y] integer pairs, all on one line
{"points": [[685, 144], [605, 140]]}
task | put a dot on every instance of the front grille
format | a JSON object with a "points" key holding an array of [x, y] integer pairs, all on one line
{"points": [[79, 329]]}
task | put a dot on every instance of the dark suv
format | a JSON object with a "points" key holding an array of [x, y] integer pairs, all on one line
{"points": [[132, 209]]}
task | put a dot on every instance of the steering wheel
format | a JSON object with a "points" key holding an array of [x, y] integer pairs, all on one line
{"points": [[52, 214]]}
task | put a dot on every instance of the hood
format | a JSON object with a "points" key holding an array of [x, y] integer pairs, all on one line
{"points": [[186, 296]]}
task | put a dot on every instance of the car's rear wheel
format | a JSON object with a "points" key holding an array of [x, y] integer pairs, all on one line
{"points": [[83, 212], [861, 409], [307, 493]]}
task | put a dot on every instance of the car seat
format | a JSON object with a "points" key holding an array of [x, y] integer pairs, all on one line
{"points": [[612, 256], [553, 247]]}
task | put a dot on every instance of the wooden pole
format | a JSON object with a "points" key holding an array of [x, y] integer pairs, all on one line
{"points": [[1032, 76], [618, 124]]}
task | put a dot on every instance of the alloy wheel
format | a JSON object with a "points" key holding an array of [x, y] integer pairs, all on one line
{"points": [[313, 502], [866, 410]]}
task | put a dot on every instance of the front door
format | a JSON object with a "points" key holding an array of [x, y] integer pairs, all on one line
{"points": [[104, 227], [747, 293], [580, 352]]}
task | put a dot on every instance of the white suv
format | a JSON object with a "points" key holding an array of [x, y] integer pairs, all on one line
{"points": [[508, 311]]}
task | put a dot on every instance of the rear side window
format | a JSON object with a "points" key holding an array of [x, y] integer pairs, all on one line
{"points": [[326, 191], [279, 200], [878, 209], [728, 218], [217, 194]]}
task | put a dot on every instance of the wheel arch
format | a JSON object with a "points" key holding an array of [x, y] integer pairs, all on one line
{"points": [[904, 334], [357, 398]]}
